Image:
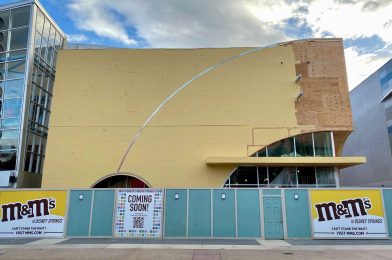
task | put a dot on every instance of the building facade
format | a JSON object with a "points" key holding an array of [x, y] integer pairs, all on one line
{"points": [[29, 45], [372, 114], [232, 117]]}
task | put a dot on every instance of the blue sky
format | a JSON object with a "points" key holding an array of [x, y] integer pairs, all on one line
{"points": [[365, 25]]}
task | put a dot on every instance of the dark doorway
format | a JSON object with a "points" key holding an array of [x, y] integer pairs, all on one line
{"points": [[121, 181]]}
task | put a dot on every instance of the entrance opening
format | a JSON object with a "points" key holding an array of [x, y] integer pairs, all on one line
{"points": [[120, 181]]}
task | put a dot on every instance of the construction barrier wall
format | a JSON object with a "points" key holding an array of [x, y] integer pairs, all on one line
{"points": [[198, 213]]}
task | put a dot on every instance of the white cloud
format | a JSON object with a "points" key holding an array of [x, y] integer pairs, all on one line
{"points": [[76, 38], [96, 16]]}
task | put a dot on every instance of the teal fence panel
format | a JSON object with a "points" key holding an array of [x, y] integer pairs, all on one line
{"points": [[199, 213], [248, 213], [102, 219], [297, 213], [78, 221], [223, 213], [387, 197], [175, 213]]}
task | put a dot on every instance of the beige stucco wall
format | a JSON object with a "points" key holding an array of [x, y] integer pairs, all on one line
{"points": [[101, 97]]}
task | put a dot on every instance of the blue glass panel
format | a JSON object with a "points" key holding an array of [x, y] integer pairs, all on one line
{"points": [[14, 88], [10, 123], [9, 139], [12, 107], [16, 69]]}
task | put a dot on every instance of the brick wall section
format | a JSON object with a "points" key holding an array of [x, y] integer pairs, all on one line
{"points": [[325, 103]]}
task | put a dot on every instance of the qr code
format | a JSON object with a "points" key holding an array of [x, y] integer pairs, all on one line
{"points": [[138, 222]]}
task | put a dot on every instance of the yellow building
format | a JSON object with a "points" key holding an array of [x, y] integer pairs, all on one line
{"points": [[211, 129]]}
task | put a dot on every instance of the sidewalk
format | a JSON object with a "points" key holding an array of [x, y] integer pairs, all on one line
{"points": [[254, 244], [192, 249]]}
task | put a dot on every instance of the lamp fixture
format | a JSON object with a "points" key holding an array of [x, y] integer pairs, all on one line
{"points": [[223, 196]]}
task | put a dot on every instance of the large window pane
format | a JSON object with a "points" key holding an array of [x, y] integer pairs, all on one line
{"points": [[12, 107], [282, 176], [4, 19], [8, 160], [46, 31], [262, 153], [304, 145], [16, 69], [10, 123], [9, 139], [281, 148], [3, 41], [14, 88], [323, 144], [244, 177], [19, 38], [20, 16], [58, 41], [325, 177], [17, 55], [263, 176], [306, 176], [39, 23], [2, 71], [37, 43]]}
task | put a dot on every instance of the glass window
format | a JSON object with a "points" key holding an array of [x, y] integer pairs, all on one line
{"points": [[3, 41], [325, 177], [282, 176], [54, 59], [50, 55], [17, 55], [52, 36], [39, 23], [9, 139], [16, 69], [244, 177], [46, 31], [323, 144], [10, 123], [281, 148], [20, 16], [306, 176], [263, 176], [2, 84], [8, 160], [44, 46], [3, 56], [2, 71], [19, 38], [37, 43], [14, 88], [58, 41], [304, 145], [4, 20], [262, 153], [12, 107]]}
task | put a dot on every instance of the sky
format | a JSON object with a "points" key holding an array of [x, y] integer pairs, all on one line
{"points": [[364, 25]]}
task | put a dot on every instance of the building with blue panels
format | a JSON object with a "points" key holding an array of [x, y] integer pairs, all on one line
{"points": [[29, 45], [371, 103]]}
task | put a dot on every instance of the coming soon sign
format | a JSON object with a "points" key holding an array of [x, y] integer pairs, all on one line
{"points": [[32, 213], [347, 214], [139, 213]]}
